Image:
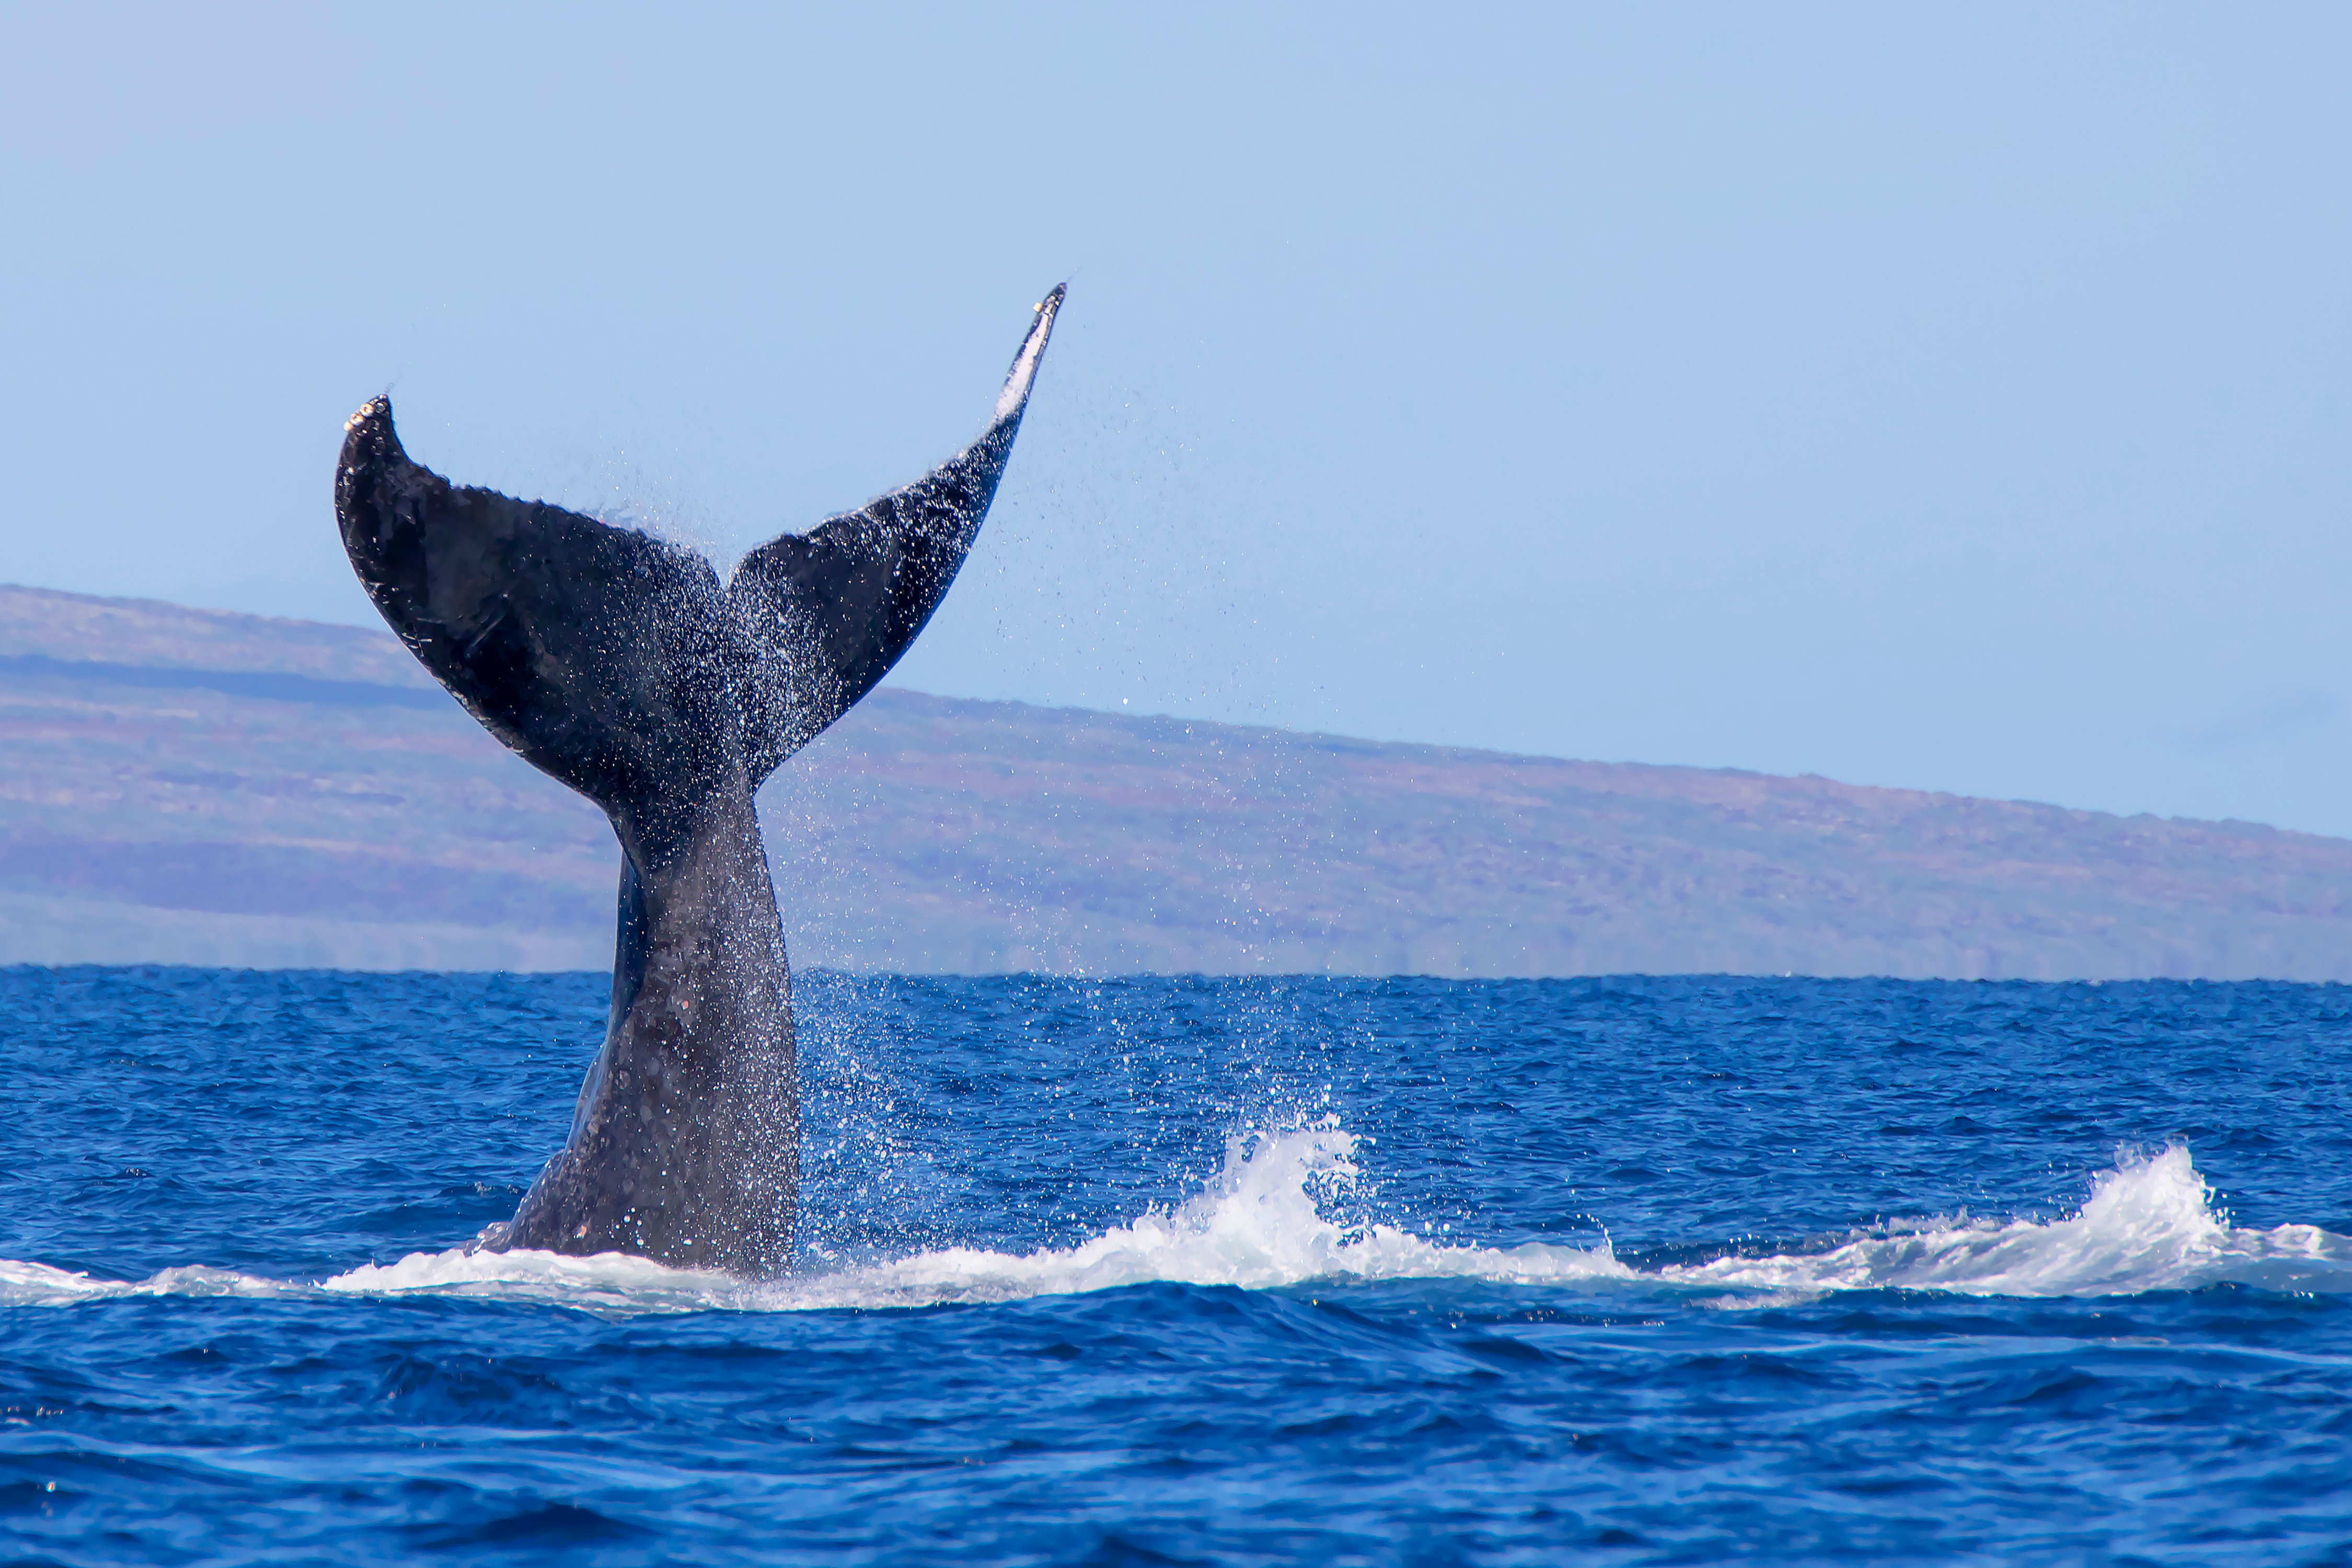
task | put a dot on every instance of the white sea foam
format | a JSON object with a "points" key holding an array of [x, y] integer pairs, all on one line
{"points": [[1256, 1226], [25, 1284], [2149, 1225], [610, 1281]]}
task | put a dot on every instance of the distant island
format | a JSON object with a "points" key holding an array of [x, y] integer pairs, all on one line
{"points": [[192, 786]]}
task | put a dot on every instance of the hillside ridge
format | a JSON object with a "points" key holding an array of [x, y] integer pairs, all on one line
{"points": [[191, 786]]}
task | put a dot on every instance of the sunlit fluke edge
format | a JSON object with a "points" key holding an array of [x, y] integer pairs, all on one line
{"points": [[1017, 381]]}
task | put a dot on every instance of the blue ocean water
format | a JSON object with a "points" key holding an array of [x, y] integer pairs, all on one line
{"points": [[1188, 1270]]}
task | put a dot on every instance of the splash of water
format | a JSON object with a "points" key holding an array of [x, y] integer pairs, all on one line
{"points": [[1257, 1225], [2149, 1225]]}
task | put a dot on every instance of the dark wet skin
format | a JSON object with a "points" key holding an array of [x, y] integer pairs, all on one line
{"points": [[618, 663]]}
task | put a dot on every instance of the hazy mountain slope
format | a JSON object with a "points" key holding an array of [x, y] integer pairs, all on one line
{"points": [[185, 786]]}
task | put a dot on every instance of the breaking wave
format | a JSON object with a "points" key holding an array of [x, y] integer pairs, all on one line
{"points": [[2149, 1225]]}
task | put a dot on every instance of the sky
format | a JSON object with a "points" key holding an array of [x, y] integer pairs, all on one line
{"points": [[1956, 399]]}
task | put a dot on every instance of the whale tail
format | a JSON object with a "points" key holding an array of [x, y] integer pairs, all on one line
{"points": [[618, 663], [615, 660]]}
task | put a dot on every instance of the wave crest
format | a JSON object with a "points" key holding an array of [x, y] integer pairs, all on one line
{"points": [[2149, 1225]]}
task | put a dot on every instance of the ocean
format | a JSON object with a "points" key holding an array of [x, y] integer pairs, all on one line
{"points": [[1190, 1270]]}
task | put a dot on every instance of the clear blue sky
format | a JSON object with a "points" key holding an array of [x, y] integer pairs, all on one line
{"points": [[1952, 398]]}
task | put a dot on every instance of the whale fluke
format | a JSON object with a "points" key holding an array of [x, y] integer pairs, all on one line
{"points": [[833, 609], [616, 662]]}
